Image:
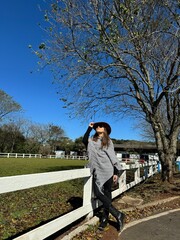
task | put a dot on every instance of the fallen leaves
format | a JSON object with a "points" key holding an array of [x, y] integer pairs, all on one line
{"points": [[23, 210], [150, 191]]}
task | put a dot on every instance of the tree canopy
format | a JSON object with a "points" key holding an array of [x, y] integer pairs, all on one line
{"points": [[7, 105], [119, 57]]}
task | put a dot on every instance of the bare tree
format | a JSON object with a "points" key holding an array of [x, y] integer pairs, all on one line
{"points": [[38, 132], [7, 105], [55, 134], [46, 134], [119, 57]]}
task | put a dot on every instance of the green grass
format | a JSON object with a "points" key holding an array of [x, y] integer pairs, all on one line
{"points": [[19, 166], [23, 210]]}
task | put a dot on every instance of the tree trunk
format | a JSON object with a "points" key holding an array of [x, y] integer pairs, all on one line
{"points": [[167, 159], [167, 168], [167, 150]]}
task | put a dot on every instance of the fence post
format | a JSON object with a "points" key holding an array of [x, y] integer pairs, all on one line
{"points": [[137, 174], [87, 194], [150, 171], [122, 180]]}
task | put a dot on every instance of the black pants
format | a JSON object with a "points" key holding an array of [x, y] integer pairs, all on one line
{"points": [[105, 197]]}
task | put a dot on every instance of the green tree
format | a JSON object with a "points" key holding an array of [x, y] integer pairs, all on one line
{"points": [[119, 57], [79, 146], [65, 144], [31, 146], [7, 105], [11, 139]]}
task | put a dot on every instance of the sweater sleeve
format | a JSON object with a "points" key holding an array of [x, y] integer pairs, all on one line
{"points": [[86, 136]]}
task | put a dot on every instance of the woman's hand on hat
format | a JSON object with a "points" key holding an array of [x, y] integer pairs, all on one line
{"points": [[91, 124]]}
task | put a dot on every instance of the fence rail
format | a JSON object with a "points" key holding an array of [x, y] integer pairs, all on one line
{"points": [[31, 155], [76, 157], [20, 155], [20, 182]]}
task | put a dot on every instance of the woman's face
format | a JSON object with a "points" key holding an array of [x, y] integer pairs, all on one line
{"points": [[100, 129]]}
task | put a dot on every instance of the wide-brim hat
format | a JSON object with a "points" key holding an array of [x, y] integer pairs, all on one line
{"points": [[102, 124]]}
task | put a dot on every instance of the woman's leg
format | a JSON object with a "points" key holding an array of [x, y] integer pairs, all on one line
{"points": [[108, 188], [119, 217], [106, 200], [105, 197], [108, 194]]}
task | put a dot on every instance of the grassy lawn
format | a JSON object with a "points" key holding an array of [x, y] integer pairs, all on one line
{"points": [[23, 210], [19, 166]]}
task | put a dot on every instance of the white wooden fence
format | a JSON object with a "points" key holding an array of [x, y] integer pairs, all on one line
{"points": [[31, 155], [20, 155], [20, 182]]}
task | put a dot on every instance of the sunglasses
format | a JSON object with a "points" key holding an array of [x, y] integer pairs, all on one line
{"points": [[100, 125]]}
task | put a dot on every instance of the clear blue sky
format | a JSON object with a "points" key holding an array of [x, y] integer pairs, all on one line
{"points": [[34, 91]]}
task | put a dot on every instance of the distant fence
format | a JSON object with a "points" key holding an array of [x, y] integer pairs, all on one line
{"points": [[19, 155], [67, 157], [50, 156], [30, 155], [20, 182]]}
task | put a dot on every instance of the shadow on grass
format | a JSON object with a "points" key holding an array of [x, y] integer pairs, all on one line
{"points": [[75, 202]]}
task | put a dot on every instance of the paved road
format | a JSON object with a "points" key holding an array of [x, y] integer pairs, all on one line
{"points": [[164, 226]]}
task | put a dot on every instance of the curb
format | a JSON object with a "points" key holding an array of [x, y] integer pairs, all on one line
{"points": [[95, 219]]}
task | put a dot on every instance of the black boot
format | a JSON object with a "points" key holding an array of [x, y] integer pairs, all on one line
{"points": [[104, 220], [119, 217]]}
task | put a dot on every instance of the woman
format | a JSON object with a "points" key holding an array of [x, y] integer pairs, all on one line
{"points": [[105, 169]]}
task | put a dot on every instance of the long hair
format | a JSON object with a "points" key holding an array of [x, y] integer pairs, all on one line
{"points": [[105, 139]]}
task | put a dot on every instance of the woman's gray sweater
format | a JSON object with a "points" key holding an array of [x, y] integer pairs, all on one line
{"points": [[102, 161]]}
